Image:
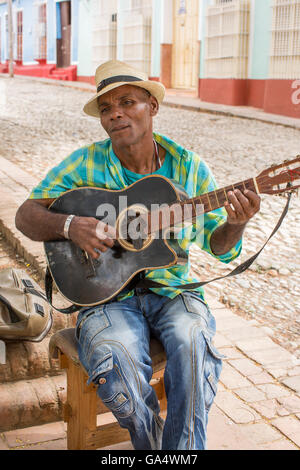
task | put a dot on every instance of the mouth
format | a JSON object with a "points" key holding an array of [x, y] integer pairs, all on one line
{"points": [[119, 128]]}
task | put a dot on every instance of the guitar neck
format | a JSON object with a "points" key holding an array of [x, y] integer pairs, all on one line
{"points": [[216, 199], [190, 209]]}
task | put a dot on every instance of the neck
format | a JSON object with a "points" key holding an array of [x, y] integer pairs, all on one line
{"points": [[190, 209], [137, 157]]}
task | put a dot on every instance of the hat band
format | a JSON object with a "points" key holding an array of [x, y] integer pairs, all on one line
{"points": [[117, 78]]}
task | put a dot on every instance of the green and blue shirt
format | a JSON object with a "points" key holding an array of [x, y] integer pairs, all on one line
{"points": [[97, 165]]}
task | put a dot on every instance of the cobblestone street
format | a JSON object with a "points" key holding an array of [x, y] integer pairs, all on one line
{"points": [[41, 124]]}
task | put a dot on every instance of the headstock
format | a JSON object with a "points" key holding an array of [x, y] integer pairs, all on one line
{"points": [[280, 178]]}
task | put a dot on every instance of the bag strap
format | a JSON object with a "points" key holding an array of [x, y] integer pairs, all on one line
{"points": [[147, 283]]}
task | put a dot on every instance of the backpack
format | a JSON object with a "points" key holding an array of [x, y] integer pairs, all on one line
{"points": [[25, 313]]}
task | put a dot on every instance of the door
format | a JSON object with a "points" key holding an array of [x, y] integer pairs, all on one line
{"points": [[19, 42], [63, 38], [186, 49]]}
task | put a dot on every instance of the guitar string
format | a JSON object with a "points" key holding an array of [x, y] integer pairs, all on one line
{"points": [[259, 178]]}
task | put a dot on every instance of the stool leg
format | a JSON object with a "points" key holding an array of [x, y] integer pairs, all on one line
{"points": [[81, 407], [160, 389]]}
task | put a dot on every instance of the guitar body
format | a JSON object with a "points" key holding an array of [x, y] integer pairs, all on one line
{"points": [[88, 282]]}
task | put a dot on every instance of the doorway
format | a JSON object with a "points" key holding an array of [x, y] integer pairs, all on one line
{"points": [[63, 34], [186, 46]]}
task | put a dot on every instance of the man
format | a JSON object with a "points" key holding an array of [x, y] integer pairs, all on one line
{"points": [[113, 339]]}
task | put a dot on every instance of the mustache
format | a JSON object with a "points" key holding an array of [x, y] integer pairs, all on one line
{"points": [[118, 127]]}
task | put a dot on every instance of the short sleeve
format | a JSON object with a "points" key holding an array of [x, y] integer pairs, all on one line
{"points": [[210, 221]]}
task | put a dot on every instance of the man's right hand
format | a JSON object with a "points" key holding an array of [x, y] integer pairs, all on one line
{"points": [[35, 221], [91, 234]]}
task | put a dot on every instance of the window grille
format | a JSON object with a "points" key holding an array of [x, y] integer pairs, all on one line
{"points": [[285, 44], [104, 31], [227, 39], [18, 49], [137, 33], [40, 31], [6, 51]]}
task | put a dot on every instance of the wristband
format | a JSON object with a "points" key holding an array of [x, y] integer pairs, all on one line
{"points": [[67, 226]]}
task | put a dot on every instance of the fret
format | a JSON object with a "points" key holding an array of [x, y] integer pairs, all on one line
{"points": [[225, 193], [209, 201], [187, 210], [255, 185], [216, 195], [213, 200], [194, 207]]}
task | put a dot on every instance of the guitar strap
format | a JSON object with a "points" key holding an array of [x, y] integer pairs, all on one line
{"points": [[148, 283]]}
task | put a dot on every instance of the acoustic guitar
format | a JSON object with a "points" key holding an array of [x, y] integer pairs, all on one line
{"points": [[155, 208]]}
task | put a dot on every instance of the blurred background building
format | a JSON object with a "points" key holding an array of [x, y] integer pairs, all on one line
{"points": [[233, 52]]}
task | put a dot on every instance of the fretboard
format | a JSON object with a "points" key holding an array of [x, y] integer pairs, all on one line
{"points": [[190, 209], [216, 199]]}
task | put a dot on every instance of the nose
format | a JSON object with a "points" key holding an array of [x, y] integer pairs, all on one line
{"points": [[115, 112]]}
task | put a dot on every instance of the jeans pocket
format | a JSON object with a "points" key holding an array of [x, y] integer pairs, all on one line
{"points": [[212, 371], [91, 323], [194, 304], [112, 388]]}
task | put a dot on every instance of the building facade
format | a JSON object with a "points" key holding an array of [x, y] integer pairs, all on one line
{"points": [[235, 52], [45, 38]]}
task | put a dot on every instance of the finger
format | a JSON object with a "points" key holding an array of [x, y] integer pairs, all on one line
{"points": [[110, 231], [98, 245], [95, 252], [108, 242], [245, 203], [230, 211], [253, 198], [104, 231], [235, 203]]}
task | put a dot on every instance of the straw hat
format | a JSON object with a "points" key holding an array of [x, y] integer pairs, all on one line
{"points": [[113, 74]]}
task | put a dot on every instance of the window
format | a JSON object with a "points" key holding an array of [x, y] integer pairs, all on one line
{"points": [[227, 39], [104, 31], [137, 33], [285, 44]]}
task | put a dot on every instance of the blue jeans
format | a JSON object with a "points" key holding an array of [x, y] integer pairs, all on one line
{"points": [[113, 344]]}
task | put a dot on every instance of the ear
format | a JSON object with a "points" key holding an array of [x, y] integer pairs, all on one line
{"points": [[154, 106]]}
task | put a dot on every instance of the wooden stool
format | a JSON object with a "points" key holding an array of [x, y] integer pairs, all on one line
{"points": [[83, 404]]}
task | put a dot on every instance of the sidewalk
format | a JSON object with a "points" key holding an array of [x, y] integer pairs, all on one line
{"points": [[257, 406], [186, 100]]}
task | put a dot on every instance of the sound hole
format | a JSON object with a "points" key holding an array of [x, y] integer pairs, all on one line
{"points": [[133, 228]]}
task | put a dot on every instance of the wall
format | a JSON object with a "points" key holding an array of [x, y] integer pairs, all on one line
{"points": [[28, 37], [84, 69], [260, 41]]}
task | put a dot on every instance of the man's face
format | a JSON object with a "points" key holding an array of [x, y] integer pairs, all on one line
{"points": [[126, 114]]}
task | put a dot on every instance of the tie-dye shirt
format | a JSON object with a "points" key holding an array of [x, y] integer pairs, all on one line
{"points": [[97, 165]]}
